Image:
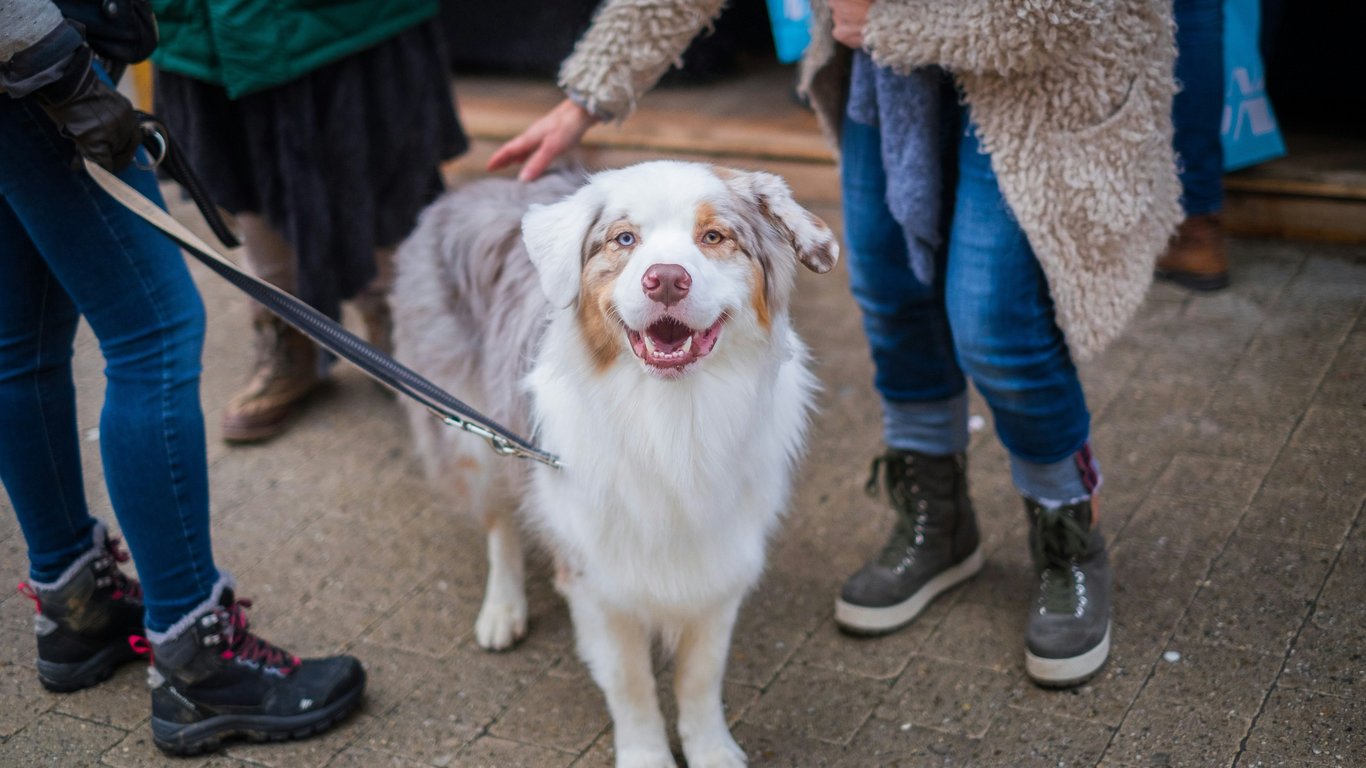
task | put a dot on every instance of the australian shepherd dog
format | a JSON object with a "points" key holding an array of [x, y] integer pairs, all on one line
{"points": [[637, 325]]}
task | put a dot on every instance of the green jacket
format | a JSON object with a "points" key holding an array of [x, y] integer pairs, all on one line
{"points": [[247, 45]]}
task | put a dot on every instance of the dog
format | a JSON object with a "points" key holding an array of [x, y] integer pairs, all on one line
{"points": [[639, 328]]}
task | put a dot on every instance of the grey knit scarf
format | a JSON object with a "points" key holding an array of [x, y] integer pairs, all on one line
{"points": [[916, 126]]}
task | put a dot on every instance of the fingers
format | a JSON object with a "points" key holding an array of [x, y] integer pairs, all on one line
{"points": [[543, 157], [545, 140], [515, 150]]}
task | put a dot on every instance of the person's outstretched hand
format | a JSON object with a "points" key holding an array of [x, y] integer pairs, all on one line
{"points": [[546, 139]]}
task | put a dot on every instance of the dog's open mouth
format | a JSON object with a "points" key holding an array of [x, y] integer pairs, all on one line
{"points": [[668, 343]]}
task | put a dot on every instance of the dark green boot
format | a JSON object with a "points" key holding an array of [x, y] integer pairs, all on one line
{"points": [[1068, 639], [934, 544]]}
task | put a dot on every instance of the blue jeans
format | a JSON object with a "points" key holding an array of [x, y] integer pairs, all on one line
{"points": [[68, 250], [1199, 106], [988, 317]]}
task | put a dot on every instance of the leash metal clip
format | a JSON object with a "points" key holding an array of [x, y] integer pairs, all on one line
{"points": [[499, 444]]}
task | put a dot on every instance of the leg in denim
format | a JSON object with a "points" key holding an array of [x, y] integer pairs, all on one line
{"points": [[1198, 107], [69, 249], [1006, 336], [916, 373]]}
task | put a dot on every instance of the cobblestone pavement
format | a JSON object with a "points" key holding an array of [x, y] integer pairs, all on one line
{"points": [[1230, 428]]}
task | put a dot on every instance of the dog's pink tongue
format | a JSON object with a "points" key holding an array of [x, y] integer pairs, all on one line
{"points": [[668, 335]]}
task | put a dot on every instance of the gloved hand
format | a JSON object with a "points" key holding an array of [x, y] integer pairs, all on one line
{"points": [[92, 114]]}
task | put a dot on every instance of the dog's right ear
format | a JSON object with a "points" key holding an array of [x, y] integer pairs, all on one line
{"points": [[555, 236]]}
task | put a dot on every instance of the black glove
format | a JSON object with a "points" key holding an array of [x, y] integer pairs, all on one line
{"points": [[96, 117]]}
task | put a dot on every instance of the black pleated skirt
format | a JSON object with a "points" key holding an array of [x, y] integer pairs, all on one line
{"points": [[340, 161]]}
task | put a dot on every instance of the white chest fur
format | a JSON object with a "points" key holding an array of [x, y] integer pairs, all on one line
{"points": [[671, 487]]}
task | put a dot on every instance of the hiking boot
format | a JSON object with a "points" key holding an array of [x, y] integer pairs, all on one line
{"points": [[215, 680], [934, 544], [286, 372], [1068, 638], [1195, 258], [84, 620]]}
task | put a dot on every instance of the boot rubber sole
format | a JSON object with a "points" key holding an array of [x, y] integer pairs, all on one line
{"points": [[204, 736], [79, 675], [1062, 673], [868, 620]]}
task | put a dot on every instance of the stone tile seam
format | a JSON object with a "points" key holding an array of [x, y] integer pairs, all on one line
{"points": [[487, 729], [417, 591], [1271, 306], [1117, 535], [534, 745], [1203, 584], [58, 713], [1290, 648]]}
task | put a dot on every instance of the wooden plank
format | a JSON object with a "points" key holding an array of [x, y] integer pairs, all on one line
{"points": [[1316, 166], [751, 116], [1317, 193], [1296, 218]]}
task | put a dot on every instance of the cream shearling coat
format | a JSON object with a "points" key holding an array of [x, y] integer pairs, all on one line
{"points": [[1072, 99]]}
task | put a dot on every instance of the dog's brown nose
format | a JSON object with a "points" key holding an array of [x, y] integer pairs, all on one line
{"points": [[666, 283]]}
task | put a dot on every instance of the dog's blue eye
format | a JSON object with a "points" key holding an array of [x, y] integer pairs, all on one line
{"points": [[626, 239]]}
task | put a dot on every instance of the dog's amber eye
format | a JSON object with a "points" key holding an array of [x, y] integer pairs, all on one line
{"points": [[712, 237], [625, 239]]}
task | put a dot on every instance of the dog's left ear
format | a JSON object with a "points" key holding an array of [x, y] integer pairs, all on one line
{"points": [[554, 236], [812, 240]]}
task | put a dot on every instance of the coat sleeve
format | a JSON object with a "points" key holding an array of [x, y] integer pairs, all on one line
{"points": [[36, 43], [1003, 37], [629, 46]]}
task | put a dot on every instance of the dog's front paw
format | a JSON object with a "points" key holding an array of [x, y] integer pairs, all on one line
{"points": [[717, 752], [645, 758], [500, 624]]}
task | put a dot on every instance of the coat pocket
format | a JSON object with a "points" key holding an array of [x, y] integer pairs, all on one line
{"points": [[1111, 171]]}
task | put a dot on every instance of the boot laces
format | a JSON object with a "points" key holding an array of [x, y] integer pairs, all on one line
{"points": [[899, 478], [1059, 540], [248, 648], [28, 591], [122, 586]]}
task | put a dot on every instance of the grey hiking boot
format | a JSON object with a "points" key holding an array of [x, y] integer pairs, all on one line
{"points": [[933, 547], [1068, 638]]}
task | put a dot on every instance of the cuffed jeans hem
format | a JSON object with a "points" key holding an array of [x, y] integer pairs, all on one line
{"points": [[1057, 483], [935, 427], [225, 581]]}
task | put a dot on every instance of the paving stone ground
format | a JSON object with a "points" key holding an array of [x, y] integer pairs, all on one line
{"points": [[1230, 428]]}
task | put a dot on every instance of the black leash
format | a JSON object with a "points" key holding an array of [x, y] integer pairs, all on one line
{"points": [[312, 323]]}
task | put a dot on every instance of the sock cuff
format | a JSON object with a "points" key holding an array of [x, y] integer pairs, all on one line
{"points": [[225, 581]]}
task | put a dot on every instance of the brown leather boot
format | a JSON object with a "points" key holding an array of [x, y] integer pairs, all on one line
{"points": [[286, 372], [1195, 258]]}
